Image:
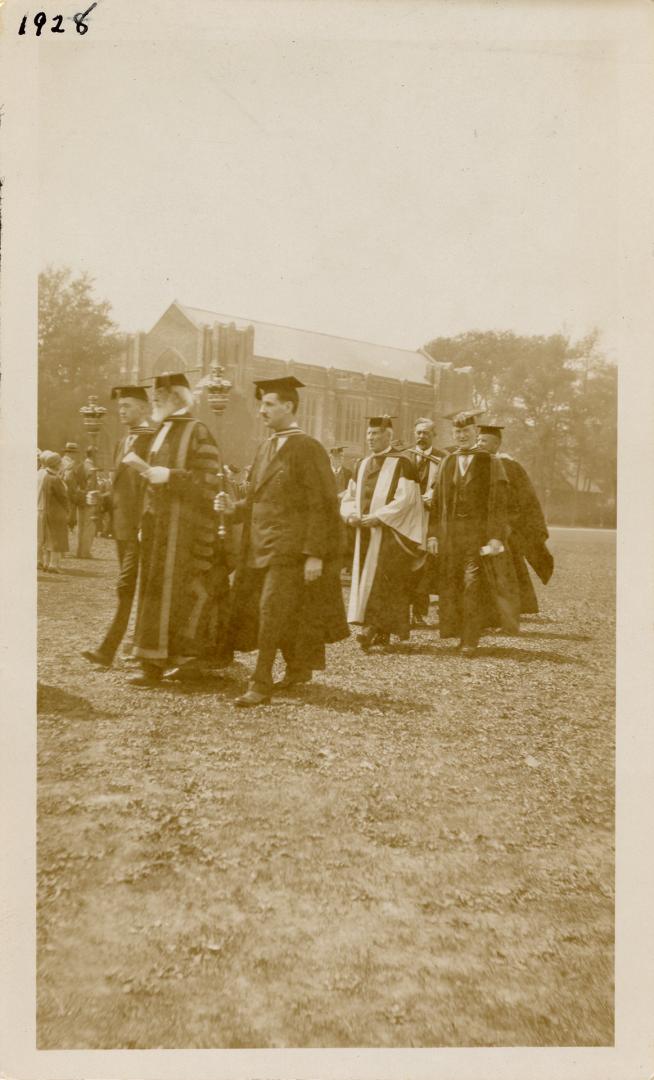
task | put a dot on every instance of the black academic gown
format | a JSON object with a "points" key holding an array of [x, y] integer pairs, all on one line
{"points": [[290, 512], [467, 511], [529, 533]]}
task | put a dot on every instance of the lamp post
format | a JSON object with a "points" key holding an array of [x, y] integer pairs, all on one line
{"points": [[218, 389], [92, 416]]}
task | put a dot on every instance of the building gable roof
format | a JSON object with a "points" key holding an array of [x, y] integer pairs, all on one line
{"points": [[322, 350]]}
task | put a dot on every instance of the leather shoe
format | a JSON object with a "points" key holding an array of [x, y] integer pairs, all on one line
{"points": [[144, 679], [190, 672], [291, 681], [95, 657], [251, 698]]}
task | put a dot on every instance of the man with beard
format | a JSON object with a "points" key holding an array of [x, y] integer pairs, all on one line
{"points": [[287, 593], [469, 529], [427, 459], [182, 582], [384, 505], [125, 500], [528, 535]]}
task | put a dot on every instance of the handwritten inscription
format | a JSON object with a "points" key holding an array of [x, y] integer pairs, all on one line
{"points": [[41, 20]]}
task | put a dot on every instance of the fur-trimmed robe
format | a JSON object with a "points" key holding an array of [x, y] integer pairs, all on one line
{"points": [[183, 581]]}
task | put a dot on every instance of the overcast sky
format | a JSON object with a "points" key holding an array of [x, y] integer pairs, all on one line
{"points": [[386, 190]]}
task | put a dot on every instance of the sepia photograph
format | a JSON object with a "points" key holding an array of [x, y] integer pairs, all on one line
{"points": [[329, 330]]}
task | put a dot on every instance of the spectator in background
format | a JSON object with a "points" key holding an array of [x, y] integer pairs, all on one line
{"points": [[52, 513], [42, 457], [90, 523], [74, 477], [342, 475]]}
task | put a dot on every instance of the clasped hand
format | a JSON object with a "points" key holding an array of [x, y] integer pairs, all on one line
{"points": [[495, 547], [366, 520], [223, 503], [312, 568], [156, 474]]}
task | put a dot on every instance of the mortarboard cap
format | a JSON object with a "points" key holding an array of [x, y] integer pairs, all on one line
{"points": [[384, 421], [491, 427], [284, 383], [336, 449], [463, 418], [138, 392], [168, 379], [71, 446]]}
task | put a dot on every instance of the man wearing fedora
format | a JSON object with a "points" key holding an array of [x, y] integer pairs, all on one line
{"points": [[74, 477]]}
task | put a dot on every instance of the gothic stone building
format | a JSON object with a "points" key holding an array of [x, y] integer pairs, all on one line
{"points": [[346, 381]]}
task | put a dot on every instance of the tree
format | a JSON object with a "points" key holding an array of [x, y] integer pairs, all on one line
{"points": [[79, 350], [556, 398]]}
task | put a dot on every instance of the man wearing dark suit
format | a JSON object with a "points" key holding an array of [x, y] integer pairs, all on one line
{"points": [[287, 593], [342, 475], [74, 477], [126, 498]]}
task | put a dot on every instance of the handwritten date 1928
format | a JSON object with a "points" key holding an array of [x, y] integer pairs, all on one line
{"points": [[40, 20]]}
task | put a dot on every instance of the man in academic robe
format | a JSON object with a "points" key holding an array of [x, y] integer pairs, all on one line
{"points": [[529, 533], [287, 594], [383, 504], [469, 529], [427, 458], [182, 589], [124, 501], [342, 475]]}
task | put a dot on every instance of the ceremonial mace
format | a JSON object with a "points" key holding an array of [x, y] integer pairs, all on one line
{"points": [[218, 390], [92, 416], [422, 454]]}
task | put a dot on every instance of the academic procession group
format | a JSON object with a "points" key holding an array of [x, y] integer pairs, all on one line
{"points": [[219, 568]]}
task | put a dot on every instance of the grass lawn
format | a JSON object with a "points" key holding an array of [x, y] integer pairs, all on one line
{"points": [[417, 851]]}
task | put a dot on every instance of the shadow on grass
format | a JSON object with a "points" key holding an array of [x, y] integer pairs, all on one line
{"points": [[340, 700], [54, 701], [225, 685], [68, 571], [551, 635], [443, 647], [511, 652]]}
